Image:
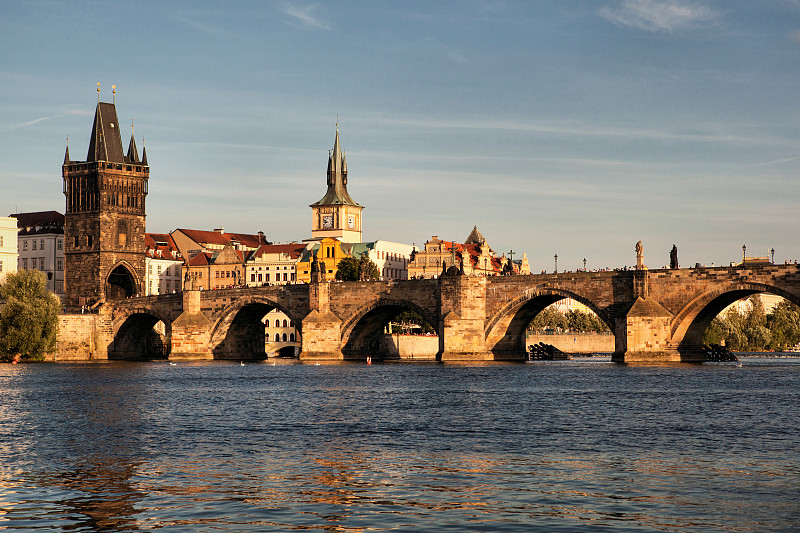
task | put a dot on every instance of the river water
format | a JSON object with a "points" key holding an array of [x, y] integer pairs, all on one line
{"points": [[553, 446]]}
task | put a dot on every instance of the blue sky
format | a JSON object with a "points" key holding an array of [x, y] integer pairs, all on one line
{"points": [[558, 127]]}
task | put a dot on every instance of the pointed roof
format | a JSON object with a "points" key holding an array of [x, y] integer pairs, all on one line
{"points": [[106, 143], [337, 178], [144, 154], [133, 153], [475, 237], [66, 156]]}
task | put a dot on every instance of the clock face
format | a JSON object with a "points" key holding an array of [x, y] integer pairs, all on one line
{"points": [[327, 221], [351, 222]]}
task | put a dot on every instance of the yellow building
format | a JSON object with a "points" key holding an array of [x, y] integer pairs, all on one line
{"points": [[329, 252]]}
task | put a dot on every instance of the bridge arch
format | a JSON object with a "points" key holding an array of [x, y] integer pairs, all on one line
{"points": [[141, 334], [689, 324], [362, 333], [239, 332], [505, 330]]}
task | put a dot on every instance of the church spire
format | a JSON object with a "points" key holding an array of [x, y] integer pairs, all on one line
{"points": [[66, 154], [337, 177], [133, 153]]}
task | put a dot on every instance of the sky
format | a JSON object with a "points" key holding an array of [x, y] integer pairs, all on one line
{"points": [[573, 128]]}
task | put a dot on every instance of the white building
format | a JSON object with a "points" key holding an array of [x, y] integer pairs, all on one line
{"points": [[273, 264], [8, 246], [391, 258], [40, 244], [163, 264]]}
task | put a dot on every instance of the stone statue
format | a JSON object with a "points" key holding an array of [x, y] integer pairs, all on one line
{"points": [[187, 281], [639, 255], [317, 271], [673, 257]]}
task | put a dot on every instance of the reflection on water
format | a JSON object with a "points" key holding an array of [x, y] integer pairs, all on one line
{"points": [[557, 446]]}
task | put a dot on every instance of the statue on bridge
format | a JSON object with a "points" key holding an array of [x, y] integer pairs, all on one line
{"points": [[317, 271], [639, 256], [673, 257]]}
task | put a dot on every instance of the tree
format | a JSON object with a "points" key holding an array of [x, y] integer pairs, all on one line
{"points": [[347, 269], [29, 318], [350, 269], [409, 318]]}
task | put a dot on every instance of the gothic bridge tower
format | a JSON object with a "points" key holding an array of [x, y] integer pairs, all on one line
{"points": [[336, 214], [104, 249]]}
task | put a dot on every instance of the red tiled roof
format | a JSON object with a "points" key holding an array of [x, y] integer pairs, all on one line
{"points": [[221, 239], [154, 242], [294, 250], [201, 259], [39, 218]]}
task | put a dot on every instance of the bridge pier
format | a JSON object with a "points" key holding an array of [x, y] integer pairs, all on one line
{"points": [[322, 330], [643, 334], [191, 331], [463, 312]]}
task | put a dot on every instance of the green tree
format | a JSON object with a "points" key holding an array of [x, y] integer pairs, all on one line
{"points": [[369, 267], [347, 269], [412, 317], [784, 325], [29, 318]]}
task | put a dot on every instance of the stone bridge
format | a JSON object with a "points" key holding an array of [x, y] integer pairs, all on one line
{"points": [[655, 315]]}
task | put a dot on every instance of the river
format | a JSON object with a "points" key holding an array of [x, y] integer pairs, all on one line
{"points": [[553, 446]]}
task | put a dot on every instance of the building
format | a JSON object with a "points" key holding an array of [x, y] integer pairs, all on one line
{"points": [[329, 252], [273, 264], [164, 265], [8, 246], [191, 242], [104, 234], [336, 215], [218, 270], [41, 246], [391, 258], [473, 257]]}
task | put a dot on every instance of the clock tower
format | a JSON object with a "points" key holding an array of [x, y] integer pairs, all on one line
{"points": [[336, 214]]}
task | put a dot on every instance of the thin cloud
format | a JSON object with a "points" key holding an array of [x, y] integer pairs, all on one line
{"points": [[305, 15], [658, 15], [30, 123]]}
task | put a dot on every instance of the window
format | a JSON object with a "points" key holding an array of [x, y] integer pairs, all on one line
{"points": [[267, 278], [89, 240], [1, 266], [1, 241], [33, 263], [277, 323], [277, 337], [59, 244], [41, 244], [41, 263], [24, 246], [59, 264], [284, 322], [25, 264], [291, 337], [284, 337], [168, 286], [74, 242], [252, 278], [158, 270]]}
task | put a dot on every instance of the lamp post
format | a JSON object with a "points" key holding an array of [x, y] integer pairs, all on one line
{"points": [[744, 253], [555, 258], [772, 253], [584, 264]]}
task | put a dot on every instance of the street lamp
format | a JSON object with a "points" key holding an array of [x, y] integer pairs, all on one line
{"points": [[744, 253], [772, 252], [584, 264], [555, 258]]}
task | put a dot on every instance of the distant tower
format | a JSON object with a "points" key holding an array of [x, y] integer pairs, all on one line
{"points": [[104, 249], [336, 214]]}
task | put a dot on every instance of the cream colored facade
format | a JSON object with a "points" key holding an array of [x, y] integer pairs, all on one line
{"points": [[8, 246], [274, 264], [391, 258]]}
